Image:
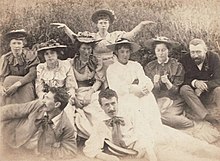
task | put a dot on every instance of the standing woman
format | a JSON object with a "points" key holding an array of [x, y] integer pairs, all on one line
{"points": [[103, 19], [17, 70], [89, 74]]}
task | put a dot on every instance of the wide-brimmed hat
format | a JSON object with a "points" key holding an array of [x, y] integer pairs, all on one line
{"points": [[119, 151], [103, 13], [161, 39], [51, 44], [16, 34], [86, 37], [134, 46]]}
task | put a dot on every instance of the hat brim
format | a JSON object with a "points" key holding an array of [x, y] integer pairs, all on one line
{"points": [[119, 150], [87, 40], [135, 47], [107, 12], [17, 34], [172, 44], [51, 47]]}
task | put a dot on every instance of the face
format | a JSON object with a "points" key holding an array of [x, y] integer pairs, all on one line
{"points": [[161, 52], [49, 102], [103, 25], [50, 56], [110, 106], [197, 53], [85, 51], [16, 46], [123, 55]]}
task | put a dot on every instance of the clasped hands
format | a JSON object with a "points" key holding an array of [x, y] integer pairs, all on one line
{"points": [[164, 78], [11, 90], [200, 86]]}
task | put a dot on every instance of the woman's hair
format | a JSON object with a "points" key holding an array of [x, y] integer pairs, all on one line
{"points": [[41, 55], [103, 17], [79, 44], [60, 95], [119, 46], [108, 94], [166, 44]]}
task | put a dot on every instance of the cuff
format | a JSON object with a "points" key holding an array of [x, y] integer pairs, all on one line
{"points": [[193, 83]]}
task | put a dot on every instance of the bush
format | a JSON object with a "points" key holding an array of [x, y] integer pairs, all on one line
{"points": [[176, 19]]}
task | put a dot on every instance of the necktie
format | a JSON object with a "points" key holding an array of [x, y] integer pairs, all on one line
{"points": [[47, 137], [116, 122]]}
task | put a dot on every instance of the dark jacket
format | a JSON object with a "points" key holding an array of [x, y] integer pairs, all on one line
{"points": [[210, 70]]}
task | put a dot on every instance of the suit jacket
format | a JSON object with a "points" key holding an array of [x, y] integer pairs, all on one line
{"points": [[18, 126], [209, 72]]}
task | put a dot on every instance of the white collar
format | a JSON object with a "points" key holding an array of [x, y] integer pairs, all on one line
{"points": [[163, 62], [56, 119]]}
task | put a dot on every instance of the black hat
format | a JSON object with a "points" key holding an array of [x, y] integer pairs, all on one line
{"points": [[20, 34]]}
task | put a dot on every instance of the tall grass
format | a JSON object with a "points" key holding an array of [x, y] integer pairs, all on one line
{"points": [[176, 19]]}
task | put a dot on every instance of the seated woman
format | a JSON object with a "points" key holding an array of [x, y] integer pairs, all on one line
{"points": [[17, 70], [133, 87], [89, 75], [54, 72], [167, 74]]}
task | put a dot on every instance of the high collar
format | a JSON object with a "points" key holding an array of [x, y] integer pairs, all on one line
{"points": [[163, 62]]}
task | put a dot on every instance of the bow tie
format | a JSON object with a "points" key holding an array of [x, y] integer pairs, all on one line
{"points": [[115, 120]]}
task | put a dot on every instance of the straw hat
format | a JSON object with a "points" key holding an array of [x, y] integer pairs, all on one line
{"points": [[51, 44], [162, 39], [119, 151], [20, 34], [134, 46], [103, 13], [86, 37]]}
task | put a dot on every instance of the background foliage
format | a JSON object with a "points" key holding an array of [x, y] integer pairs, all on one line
{"points": [[176, 19]]}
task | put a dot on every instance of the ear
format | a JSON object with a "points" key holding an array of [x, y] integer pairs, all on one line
{"points": [[57, 104]]}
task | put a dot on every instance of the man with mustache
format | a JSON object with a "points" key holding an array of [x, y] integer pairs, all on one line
{"points": [[202, 80]]}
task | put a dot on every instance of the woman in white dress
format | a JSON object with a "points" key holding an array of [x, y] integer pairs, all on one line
{"points": [[127, 78]]}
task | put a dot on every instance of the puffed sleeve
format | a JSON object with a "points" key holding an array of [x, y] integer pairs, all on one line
{"points": [[4, 70], [177, 77], [99, 72], [32, 61], [39, 83], [143, 79]]}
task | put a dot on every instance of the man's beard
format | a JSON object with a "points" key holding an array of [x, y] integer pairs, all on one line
{"points": [[198, 61]]}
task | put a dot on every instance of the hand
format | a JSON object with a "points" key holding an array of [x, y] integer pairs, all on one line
{"points": [[72, 100], [11, 90], [88, 97], [198, 92], [136, 90], [147, 22], [59, 25], [2, 90], [79, 103], [164, 79], [145, 90], [156, 78], [200, 84]]}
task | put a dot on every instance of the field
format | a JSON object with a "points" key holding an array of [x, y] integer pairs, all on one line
{"points": [[176, 19]]}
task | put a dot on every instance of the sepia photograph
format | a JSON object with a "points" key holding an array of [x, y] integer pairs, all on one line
{"points": [[110, 80]]}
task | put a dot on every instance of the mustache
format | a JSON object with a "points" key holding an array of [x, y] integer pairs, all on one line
{"points": [[112, 111]]}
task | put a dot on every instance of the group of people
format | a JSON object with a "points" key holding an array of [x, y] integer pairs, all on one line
{"points": [[116, 106]]}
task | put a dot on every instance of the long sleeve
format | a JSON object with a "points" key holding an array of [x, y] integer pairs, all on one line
{"points": [[32, 61], [16, 111], [143, 79], [115, 82], [215, 78], [71, 84], [4, 70], [39, 84], [67, 143]]}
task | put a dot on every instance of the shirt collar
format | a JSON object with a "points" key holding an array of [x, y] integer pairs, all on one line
{"points": [[164, 62], [57, 119]]}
